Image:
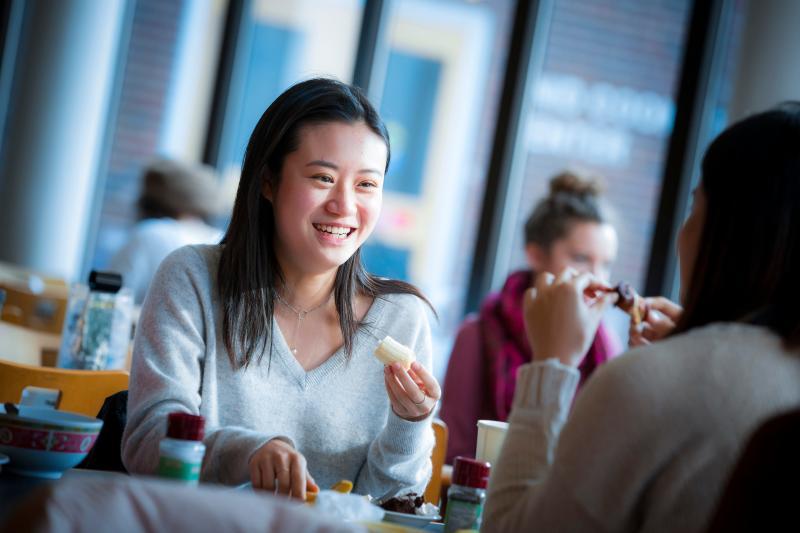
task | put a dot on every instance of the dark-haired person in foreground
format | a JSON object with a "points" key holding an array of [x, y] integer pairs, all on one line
{"points": [[653, 436], [270, 334]]}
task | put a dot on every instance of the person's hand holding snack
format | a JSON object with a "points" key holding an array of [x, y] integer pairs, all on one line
{"points": [[631, 303], [562, 315], [660, 321], [412, 390]]}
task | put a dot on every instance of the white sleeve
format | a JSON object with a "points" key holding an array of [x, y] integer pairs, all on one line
{"points": [[523, 495]]}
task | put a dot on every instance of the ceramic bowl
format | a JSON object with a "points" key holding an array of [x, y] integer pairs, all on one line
{"points": [[44, 442]]}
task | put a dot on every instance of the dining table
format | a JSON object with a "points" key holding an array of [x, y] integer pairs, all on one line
{"points": [[15, 488]]}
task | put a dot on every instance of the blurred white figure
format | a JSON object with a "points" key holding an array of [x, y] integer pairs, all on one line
{"points": [[176, 201]]}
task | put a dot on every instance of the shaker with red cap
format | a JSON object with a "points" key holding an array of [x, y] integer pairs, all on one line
{"points": [[466, 495], [181, 452]]}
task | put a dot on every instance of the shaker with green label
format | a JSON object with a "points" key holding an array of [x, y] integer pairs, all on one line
{"points": [[181, 452], [466, 495]]}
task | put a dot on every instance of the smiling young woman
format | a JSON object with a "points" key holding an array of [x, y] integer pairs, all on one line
{"points": [[325, 206], [329, 196], [270, 334]]}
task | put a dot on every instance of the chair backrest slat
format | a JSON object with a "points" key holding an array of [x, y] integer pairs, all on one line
{"points": [[434, 488], [82, 391]]}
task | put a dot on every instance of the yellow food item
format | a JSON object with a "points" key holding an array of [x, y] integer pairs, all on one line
{"points": [[344, 486], [390, 351], [311, 497]]}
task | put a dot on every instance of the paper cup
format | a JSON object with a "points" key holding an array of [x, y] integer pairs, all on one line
{"points": [[491, 434]]}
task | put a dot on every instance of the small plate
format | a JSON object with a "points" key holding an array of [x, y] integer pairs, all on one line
{"points": [[406, 519], [388, 527]]}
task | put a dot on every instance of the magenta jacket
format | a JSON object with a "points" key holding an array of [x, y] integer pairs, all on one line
{"points": [[489, 348]]}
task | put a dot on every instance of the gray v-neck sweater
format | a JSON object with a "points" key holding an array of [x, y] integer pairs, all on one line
{"points": [[337, 415]]}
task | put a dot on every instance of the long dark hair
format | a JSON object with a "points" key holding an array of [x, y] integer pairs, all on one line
{"points": [[572, 199], [748, 262], [248, 269]]}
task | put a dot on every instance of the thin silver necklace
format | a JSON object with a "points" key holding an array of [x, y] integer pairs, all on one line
{"points": [[301, 315]]}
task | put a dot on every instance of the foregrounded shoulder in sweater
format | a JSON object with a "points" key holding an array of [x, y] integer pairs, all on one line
{"points": [[650, 440], [337, 415]]}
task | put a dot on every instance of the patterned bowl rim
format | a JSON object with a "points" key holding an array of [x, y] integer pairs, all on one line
{"points": [[89, 425], [72, 443], [11, 423]]}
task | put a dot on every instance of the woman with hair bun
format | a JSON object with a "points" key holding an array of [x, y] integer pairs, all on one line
{"points": [[568, 228]]}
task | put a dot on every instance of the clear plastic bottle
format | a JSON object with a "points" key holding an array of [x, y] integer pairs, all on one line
{"points": [[181, 452], [466, 495]]}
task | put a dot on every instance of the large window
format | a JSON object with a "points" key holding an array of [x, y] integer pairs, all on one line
{"points": [[438, 96], [140, 115], [280, 43], [602, 103], [439, 100], [601, 99], [717, 98]]}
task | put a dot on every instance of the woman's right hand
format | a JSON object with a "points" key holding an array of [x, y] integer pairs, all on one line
{"points": [[562, 315], [278, 467], [662, 315]]}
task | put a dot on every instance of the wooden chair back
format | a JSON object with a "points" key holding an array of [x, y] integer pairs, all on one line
{"points": [[434, 488], [82, 391]]}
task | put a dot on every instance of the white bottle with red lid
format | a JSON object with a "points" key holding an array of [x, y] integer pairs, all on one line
{"points": [[181, 452]]}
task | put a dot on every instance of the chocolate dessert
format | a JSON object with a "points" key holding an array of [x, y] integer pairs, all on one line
{"points": [[631, 303], [627, 296], [404, 504]]}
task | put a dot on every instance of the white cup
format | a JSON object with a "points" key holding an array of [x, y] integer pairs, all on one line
{"points": [[491, 434]]}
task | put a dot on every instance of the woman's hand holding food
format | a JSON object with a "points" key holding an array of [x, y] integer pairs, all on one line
{"points": [[660, 321], [278, 467], [562, 315], [413, 393]]}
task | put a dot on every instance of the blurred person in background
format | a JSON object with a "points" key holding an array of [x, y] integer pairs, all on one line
{"points": [[176, 201], [568, 228]]}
